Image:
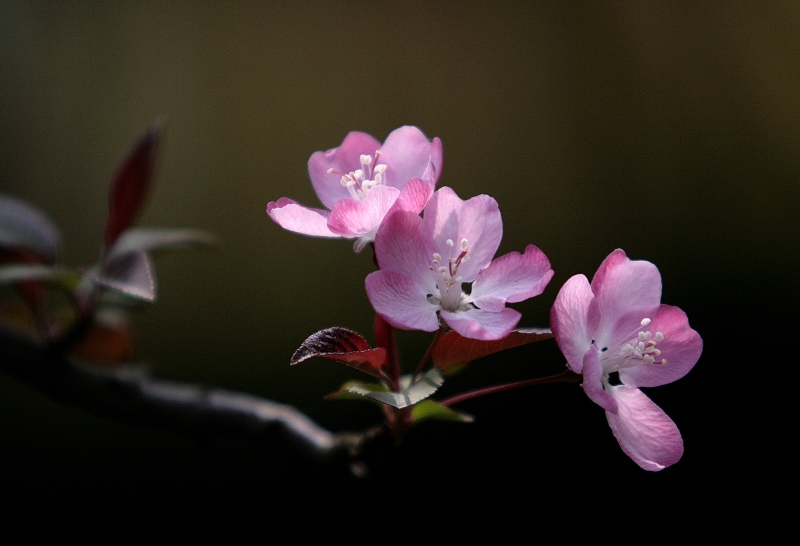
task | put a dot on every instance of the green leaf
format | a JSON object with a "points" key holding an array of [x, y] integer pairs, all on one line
{"points": [[453, 350], [431, 409], [410, 393]]}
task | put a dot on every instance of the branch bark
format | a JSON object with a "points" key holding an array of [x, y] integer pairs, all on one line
{"points": [[130, 395]]}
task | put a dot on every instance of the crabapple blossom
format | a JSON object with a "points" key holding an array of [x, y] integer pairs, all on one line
{"points": [[424, 262], [618, 325], [361, 181]]}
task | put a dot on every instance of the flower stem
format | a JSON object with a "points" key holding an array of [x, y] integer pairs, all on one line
{"points": [[427, 356], [567, 376]]}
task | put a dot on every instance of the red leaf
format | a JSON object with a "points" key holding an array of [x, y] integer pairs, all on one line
{"points": [[131, 184], [454, 350], [342, 345]]}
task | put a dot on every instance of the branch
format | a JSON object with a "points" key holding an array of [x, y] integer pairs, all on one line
{"points": [[132, 396]]}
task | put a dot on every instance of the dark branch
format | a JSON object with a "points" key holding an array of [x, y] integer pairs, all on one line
{"points": [[129, 395]]}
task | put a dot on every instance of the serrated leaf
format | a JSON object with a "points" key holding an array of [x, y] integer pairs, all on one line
{"points": [[427, 384], [344, 346], [130, 274], [430, 409], [24, 226], [453, 350], [131, 184]]}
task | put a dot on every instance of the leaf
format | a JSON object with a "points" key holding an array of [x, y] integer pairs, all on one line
{"points": [[24, 226], [431, 409], [342, 345], [131, 184], [453, 350], [36, 272], [425, 385], [130, 274], [158, 239]]}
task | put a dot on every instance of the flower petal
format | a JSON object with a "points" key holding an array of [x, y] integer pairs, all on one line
{"points": [[681, 347], [480, 324], [407, 153], [414, 196], [568, 320], [295, 217], [644, 432], [514, 277], [593, 384], [478, 220], [622, 287], [358, 217], [400, 246], [343, 160], [401, 301]]}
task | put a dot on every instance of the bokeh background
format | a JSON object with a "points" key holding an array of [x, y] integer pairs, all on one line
{"points": [[671, 130]]}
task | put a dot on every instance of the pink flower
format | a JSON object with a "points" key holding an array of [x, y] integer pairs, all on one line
{"points": [[618, 324], [361, 181], [425, 260]]}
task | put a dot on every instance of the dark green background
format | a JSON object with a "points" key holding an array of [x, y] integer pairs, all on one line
{"points": [[671, 130]]}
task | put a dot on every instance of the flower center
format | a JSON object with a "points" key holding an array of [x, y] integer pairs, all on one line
{"points": [[639, 350], [359, 182], [448, 281]]}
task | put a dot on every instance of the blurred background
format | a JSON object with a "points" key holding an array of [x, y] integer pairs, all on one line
{"points": [[671, 130]]}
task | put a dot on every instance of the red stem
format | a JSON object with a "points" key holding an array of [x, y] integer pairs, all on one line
{"points": [[565, 376]]}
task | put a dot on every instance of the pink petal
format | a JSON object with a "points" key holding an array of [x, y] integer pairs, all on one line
{"points": [[480, 324], [295, 217], [622, 287], [343, 160], [477, 220], [514, 277], [568, 320], [358, 217], [644, 432], [400, 246], [414, 196], [593, 384], [407, 153], [681, 347], [400, 301]]}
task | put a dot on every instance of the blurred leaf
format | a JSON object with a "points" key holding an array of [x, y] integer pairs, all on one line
{"points": [[131, 184], [158, 239], [453, 350], [342, 345], [105, 344], [430, 409], [131, 274], [64, 278], [427, 384], [24, 226]]}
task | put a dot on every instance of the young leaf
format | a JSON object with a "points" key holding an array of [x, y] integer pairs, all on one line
{"points": [[131, 185], [454, 350], [25, 227], [427, 384], [342, 345], [431, 409]]}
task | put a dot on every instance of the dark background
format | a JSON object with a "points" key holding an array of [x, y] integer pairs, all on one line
{"points": [[671, 130]]}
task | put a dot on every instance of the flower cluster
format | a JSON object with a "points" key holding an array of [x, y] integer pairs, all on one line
{"points": [[437, 272]]}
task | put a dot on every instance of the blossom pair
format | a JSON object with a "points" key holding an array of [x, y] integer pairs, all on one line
{"points": [[424, 261]]}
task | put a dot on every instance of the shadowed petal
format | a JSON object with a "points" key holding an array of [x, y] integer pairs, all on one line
{"points": [[593, 384], [568, 320], [401, 301], [358, 217], [480, 324], [644, 432]]}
